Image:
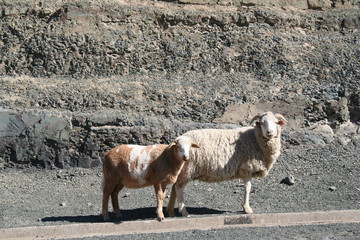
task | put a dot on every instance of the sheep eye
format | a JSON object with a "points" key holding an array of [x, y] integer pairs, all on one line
{"points": [[259, 123]]}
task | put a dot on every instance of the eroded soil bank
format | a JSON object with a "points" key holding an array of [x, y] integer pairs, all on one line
{"points": [[81, 77]]}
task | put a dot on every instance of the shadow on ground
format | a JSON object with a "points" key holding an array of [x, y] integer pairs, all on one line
{"points": [[128, 215]]}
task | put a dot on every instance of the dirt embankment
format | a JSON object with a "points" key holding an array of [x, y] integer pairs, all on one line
{"points": [[81, 77]]}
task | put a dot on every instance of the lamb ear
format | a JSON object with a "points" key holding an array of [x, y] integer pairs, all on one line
{"points": [[255, 120], [194, 145], [280, 118]]}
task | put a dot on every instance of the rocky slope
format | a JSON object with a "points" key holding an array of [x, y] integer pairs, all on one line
{"points": [[79, 77]]}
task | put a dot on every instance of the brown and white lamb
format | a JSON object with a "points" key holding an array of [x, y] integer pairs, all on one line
{"points": [[136, 166]]}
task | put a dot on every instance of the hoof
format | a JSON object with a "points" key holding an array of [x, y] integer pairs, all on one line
{"points": [[105, 217], [171, 214], [118, 215], [248, 210], [185, 213], [160, 218]]}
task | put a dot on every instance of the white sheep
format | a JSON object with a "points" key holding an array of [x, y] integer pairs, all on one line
{"points": [[226, 154], [136, 166]]}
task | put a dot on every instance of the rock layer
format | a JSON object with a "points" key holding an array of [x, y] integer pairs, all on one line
{"points": [[78, 78]]}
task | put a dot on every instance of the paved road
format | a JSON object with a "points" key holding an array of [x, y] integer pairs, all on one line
{"points": [[317, 225]]}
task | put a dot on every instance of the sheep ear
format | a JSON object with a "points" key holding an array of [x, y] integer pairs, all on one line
{"points": [[172, 144], [280, 118], [255, 120], [194, 145]]}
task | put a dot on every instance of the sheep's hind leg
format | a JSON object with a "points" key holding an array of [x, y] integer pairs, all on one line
{"points": [[246, 205], [180, 198], [171, 203], [107, 190], [115, 200]]}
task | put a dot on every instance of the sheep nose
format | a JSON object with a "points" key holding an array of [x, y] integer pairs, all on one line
{"points": [[269, 132]]}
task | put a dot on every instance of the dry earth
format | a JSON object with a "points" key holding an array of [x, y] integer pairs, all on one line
{"points": [[326, 178]]}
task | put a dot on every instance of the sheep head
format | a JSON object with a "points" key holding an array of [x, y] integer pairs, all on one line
{"points": [[183, 145], [269, 123]]}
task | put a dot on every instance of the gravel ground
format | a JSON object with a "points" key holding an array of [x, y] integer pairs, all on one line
{"points": [[326, 178]]}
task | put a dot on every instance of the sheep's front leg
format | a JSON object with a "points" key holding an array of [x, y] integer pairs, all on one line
{"points": [[160, 196], [246, 205]]}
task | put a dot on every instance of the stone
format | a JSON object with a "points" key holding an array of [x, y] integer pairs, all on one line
{"points": [[344, 141], [351, 23], [301, 4], [319, 4], [290, 180], [2, 163], [198, 1], [324, 129]]}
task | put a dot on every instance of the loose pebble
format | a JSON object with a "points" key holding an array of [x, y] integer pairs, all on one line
{"points": [[290, 180]]}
